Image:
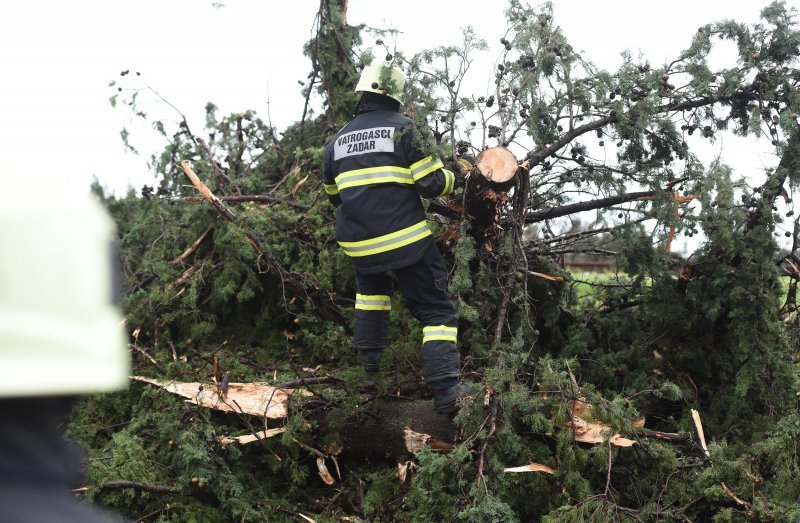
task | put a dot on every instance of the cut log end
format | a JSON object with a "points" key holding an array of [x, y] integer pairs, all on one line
{"points": [[497, 164]]}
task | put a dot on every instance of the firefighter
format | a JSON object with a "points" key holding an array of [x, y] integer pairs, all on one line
{"points": [[60, 337], [374, 173]]}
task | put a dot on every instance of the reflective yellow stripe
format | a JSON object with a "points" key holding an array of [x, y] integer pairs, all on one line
{"points": [[331, 189], [439, 333], [387, 242], [449, 182], [424, 167], [372, 175], [373, 302]]}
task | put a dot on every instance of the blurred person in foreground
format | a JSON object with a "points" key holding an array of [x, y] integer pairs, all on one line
{"points": [[61, 338]]}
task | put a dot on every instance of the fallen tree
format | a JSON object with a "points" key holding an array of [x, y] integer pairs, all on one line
{"points": [[592, 386]]}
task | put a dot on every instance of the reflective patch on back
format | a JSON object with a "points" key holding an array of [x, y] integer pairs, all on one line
{"points": [[374, 140]]}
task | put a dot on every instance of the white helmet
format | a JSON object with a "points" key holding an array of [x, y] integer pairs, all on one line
{"points": [[383, 78], [60, 333]]}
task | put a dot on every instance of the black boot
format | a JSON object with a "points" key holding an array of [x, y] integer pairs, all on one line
{"points": [[371, 359], [447, 401]]}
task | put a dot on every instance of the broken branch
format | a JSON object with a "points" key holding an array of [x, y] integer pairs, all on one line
{"points": [[546, 276], [124, 483], [572, 208], [188, 252], [699, 426], [249, 438]]}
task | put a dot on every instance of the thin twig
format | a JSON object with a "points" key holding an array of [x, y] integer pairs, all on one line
{"points": [[318, 380], [124, 483], [144, 353], [608, 473], [492, 428]]}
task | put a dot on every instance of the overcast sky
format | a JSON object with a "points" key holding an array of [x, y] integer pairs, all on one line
{"points": [[57, 58]]}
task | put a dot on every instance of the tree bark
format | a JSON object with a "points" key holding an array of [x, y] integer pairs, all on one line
{"points": [[391, 429], [572, 208]]}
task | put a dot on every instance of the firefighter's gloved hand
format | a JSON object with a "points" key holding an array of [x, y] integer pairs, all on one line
{"points": [[461, 167], [463, 164], [460, 180]]}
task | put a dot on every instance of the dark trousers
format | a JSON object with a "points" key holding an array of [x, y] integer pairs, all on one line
{"points": [[424, 287]]}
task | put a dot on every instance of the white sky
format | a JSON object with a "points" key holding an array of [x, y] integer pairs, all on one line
{"points": [[57, 58]]}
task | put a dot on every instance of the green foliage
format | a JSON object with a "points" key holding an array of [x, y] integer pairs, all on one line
{"points": [[659, 336]]}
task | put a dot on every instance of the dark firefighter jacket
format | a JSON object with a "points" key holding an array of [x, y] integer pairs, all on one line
{"points": [[375, 176], [38, 468]]}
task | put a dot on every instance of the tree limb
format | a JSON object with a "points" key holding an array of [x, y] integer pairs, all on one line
{"points": [[124, 483], [572, 208], [255, 198]]}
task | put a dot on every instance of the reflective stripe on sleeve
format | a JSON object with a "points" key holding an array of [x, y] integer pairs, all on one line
{"points": [[331, 189], [373, 302], [449, 182], [387, 242], [439, 332], [424, 167], [372, 175]]}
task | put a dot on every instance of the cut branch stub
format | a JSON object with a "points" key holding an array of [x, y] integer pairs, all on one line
{"points": [[491, 177], [497, 166]]}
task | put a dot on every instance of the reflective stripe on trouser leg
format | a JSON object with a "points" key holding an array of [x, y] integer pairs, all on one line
{"points": [[373, 302], [440, 333], [371, 330]]}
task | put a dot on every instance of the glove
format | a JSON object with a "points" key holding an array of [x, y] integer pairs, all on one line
{"points": [[461, 167], [460, 180]]}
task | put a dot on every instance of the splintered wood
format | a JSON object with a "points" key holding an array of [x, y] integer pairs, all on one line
{"points": [[700, 433], [258, 399], [326, 476], [415, 441], [250, 438], [405, 471], [586, 430]]}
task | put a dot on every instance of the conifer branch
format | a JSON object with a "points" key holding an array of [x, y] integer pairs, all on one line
{"points": [[223, 211], [124, 483], [573, 208]]}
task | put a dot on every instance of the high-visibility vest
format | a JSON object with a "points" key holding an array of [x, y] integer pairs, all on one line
{"points": [[375, 175]]}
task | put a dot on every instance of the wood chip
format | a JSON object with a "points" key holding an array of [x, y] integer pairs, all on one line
{"points": [[531, 467], [699, 426], [249, 438], [586, 430], [405, 470], [323, 472], [415, 441]]}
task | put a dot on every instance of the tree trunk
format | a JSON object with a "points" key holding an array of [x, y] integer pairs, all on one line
{"points": [[393, 430], [488, 183]]}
